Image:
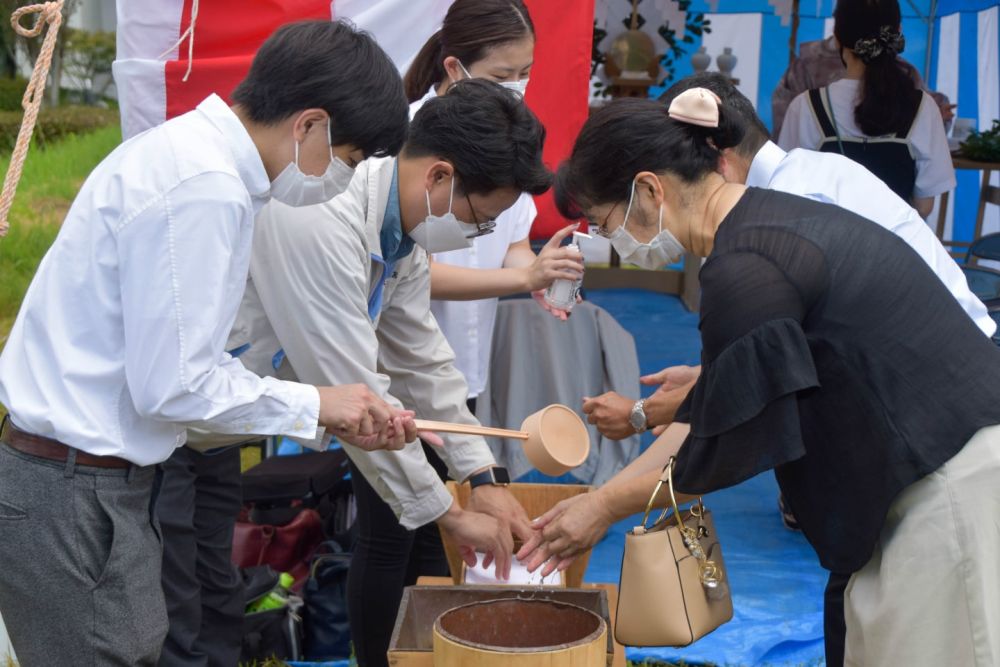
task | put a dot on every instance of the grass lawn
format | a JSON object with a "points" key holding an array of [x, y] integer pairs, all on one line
{"points": [[48, 185]]}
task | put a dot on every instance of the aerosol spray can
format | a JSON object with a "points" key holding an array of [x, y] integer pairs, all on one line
{"points": [[562, 293]]}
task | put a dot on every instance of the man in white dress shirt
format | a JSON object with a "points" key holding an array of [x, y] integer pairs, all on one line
{"points": [[119, 344], [826, 177]]}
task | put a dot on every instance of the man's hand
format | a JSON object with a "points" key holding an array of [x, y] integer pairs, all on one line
{"points": [[498, 502], [610, 412], [356, 415], [354, 410], [567, 530], [473, 532], [554, 262]]}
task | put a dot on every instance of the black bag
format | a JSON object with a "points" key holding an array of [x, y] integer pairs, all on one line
{"points": [[273, 633], [276, 490], [328, 635], [281, 480]]}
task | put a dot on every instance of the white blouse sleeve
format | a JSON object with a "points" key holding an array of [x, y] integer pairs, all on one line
{"points": [[800, 129], [526, 214], [935, 172]]}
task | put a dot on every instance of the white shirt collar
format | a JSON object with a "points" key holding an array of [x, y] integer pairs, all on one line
{"points": [[764, 164], [247, 159]]}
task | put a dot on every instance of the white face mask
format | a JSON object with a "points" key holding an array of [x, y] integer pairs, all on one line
{"points": [[441, 233], [517, 88], [296, 188], [663, 249]]}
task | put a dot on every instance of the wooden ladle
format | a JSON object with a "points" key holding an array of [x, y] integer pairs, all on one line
{"points": [[469, 429], [555, 438]]}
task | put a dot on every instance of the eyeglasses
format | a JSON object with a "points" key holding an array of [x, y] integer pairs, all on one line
{"points": [[482, 228], [602, 229]]}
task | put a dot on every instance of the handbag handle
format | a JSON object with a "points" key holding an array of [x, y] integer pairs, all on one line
{"points": [[667, 477], [709, 572]]}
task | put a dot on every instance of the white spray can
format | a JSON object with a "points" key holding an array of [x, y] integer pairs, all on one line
{"points": [[562, 293]]}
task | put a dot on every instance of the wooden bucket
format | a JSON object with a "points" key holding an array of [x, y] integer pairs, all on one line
{"points": [[514, 632]]}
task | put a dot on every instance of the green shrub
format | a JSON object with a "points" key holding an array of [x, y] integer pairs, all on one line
{"points": [[11, 93], [54, 124], [983, 146]]}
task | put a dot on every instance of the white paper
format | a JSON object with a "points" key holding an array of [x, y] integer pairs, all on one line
{"points": [[519, 575]]}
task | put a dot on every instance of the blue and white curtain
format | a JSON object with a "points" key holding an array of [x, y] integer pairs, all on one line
{"points": [[962, 36]]}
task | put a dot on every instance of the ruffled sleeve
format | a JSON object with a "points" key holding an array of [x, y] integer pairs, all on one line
{"points": [[743, 411]]}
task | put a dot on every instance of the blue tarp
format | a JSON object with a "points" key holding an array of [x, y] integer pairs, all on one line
{"points": [[776, 581]]}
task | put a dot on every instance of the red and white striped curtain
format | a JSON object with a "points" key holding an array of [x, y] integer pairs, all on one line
{"points": [[151, 65]]}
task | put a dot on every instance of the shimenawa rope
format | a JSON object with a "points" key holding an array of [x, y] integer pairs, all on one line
{"points": [[47, 13], [189, 36]]}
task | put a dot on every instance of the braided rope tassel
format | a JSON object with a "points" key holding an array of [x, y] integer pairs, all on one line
{"points": [[47, 13]]}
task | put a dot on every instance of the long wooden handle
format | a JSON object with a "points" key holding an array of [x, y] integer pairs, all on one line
{"points": [[469, 429]]}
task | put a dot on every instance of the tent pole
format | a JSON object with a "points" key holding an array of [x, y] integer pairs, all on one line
{"points": [[931, 18], [794, 36]]}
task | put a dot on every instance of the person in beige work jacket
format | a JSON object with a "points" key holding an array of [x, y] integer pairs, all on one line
{"points": [[343, 291]]}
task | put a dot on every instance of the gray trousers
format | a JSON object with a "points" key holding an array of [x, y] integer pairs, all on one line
{"points": [[197, 504], [79, 563]]}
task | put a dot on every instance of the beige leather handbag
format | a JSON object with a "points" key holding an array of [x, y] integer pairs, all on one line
{"points": [[673, 588]]}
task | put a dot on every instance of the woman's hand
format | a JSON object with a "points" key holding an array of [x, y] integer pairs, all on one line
{"points": [[567, 530], [554, 262], [674, 385], [672, 377], [539, 297]]}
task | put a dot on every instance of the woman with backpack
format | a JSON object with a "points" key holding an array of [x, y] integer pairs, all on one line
{"points": [[875, 115]]}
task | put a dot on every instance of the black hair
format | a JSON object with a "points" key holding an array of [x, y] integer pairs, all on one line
{"points": [[631, 135], [332, 66], [470, 29], [492, 139], [755, 135], [889, 99]]}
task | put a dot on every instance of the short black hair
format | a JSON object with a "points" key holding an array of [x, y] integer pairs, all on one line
{"points": [[756, 132], [488, 134], [631, 135], [332, 66]]}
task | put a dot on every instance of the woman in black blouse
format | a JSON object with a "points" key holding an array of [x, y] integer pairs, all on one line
{"points": [[832, 354]]}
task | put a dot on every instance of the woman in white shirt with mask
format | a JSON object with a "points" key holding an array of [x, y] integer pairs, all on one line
{"points": [[494, 40]]}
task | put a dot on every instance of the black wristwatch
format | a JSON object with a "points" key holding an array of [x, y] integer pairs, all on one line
{"points": [[495, 476]]}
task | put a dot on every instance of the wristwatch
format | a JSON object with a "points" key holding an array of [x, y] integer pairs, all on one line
{"points": [[495, 476], [637, 417]]}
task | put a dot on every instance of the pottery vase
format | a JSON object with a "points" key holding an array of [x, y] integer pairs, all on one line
{"points": [[726, 62], [701, 60]]}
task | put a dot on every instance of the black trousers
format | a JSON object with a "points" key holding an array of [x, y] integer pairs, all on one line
{"points": [[834, 625], [387, 558], [198, 501]]}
